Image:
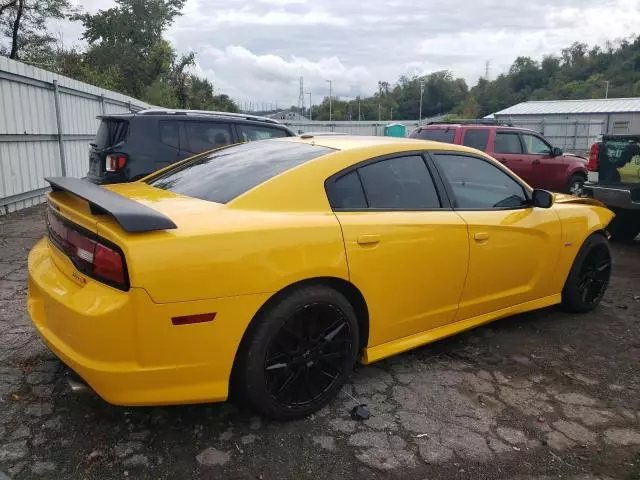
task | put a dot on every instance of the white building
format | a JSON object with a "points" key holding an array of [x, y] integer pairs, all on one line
{"points": [[575, 124], [619, 115]]}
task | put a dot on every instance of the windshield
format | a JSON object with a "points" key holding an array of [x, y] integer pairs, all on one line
{"points": [[222, 175]]}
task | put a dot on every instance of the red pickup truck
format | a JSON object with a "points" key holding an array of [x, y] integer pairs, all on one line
{"points": [[525, 152]]}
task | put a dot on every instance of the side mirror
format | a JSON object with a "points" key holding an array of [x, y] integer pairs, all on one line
{"points": [[556, 152], [542, 199]]}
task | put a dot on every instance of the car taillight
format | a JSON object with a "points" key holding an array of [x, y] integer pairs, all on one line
{"points": [[89, 255], [593, 157], [115, 162], [107, 264]]}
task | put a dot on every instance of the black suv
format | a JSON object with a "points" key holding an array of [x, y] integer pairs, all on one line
{"points": [[130, 146]]}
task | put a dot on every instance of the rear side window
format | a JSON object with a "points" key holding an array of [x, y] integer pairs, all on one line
{"points": [[445, 135], [508, 143], [110, 132], [250, 133], [222, 175], [402, 183], [203, 136], [347, 192], [476, 138], [170, 133]]}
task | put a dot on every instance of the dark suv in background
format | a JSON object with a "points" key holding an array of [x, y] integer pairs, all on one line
{"points": [[130, 146], [527, 153]]}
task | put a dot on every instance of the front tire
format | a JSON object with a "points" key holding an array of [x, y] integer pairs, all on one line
{"points": [[298, 353], [589, 276]]}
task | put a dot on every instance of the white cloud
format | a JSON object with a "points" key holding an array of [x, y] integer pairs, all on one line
{"points": [[248, 76], [258, 49]]}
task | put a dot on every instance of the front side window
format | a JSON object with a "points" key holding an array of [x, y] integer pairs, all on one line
{"points": [[479, 185], [203, 136], [508, 143], [476, 138], [250, 133], [402, 183], [534, 145], [222, 175]]}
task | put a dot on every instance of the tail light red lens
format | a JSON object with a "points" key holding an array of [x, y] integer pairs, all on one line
{"points": [[593, 157], [115, 162], [107, 264], [89, 255]]}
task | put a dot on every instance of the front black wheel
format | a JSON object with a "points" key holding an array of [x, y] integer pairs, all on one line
{"points": [[589, 276], [299, 353]]}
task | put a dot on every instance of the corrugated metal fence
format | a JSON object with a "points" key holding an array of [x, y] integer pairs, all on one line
{"points": [[46, 124]]}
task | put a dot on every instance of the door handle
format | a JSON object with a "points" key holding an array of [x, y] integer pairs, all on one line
{"points": [[368, 239], [481, 236], [536, 161], [503, 161]]}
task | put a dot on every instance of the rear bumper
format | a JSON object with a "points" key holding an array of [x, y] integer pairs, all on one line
{"points": [[125, 346], [613, 196]]}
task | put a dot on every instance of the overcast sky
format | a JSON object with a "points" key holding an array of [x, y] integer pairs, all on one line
{"points": [[257, 49]]}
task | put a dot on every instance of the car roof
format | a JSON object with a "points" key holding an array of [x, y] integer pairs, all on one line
{"points": [[193, 114], [356, 142], [446, 126]]}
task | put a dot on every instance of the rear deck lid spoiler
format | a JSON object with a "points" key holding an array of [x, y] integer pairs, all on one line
{"points": [[131, 215]]}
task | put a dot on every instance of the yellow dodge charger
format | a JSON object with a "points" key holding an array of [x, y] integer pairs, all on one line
{"points": [[268, 269]]}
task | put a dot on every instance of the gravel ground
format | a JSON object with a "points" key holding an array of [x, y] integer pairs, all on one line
{"points": [[537, 396]]}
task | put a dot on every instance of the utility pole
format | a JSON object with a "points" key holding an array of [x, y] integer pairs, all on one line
{"points": [[301, 97], [310, 112], [391, 114], [606, 92], [421, 92], [487, 67], [358, 107], [329, 81]]}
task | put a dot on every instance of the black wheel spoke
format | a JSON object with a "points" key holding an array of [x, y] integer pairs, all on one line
{"points": [[306, 357], [594, 275]]}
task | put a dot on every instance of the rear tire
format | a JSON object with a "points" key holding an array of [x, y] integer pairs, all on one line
{"points": [[575, 184], [625, 226], [298, 353], [589, 276]]}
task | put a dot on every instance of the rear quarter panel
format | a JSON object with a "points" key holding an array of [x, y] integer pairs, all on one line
{"points": [[232, 253]]}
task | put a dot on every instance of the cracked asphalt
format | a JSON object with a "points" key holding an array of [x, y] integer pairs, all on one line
{"points": [[538, 396]]}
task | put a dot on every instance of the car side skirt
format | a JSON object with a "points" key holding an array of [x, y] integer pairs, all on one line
{"points": [[379, 352]]}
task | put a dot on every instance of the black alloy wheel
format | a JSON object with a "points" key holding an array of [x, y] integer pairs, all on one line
{"points": [[594, 275], [307, 356], [297, 353], [589, 277]]}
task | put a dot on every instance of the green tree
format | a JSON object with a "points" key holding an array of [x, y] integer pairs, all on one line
{"points": [[129, 37], [24, 27]]}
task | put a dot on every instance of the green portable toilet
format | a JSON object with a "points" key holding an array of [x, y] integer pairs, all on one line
{"points": [[395, 130]]}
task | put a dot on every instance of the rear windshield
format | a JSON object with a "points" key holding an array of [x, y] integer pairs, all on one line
{"points": [[445, 135], [222, 175], [110, 133]]}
